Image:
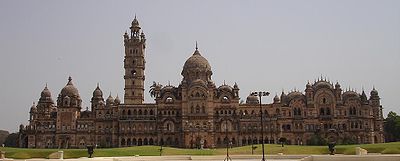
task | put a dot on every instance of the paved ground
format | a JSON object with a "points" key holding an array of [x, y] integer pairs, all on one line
{"points": [[183, 158]]}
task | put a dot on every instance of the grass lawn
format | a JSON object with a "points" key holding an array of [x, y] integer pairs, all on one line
{"points": [[22, 153]]}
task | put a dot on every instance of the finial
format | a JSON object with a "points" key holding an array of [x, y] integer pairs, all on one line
{"points": [[33, 103], [135, 15], [373, 87], [69, 79], [46, 85], [224, 82], [169, 83], [196, 46], [110, 95]]}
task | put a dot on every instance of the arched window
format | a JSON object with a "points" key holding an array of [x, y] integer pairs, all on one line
{"points": [[129, 112]]}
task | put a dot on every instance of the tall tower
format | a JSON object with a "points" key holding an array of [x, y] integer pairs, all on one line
{"points": [[134, 64]]}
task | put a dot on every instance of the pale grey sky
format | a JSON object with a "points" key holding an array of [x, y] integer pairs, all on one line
{"points": [[261, 45]]}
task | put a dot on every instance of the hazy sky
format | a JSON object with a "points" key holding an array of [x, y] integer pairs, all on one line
{"points": [[261, 45]]}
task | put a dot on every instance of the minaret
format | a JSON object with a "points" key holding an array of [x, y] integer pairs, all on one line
{"points": [[134, 64]]}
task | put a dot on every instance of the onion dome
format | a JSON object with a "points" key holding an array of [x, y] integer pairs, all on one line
{"points": [[276, 99], [117, 101], [323, 84], [69, 90], [135, 23], [308, 85], [225, 88], [364, 98], [374, 92], [235, 86], [97, 93], [196, 67], [45, 93], [252, 99], [295, 94], [45, 96], [350, 94], [110, 100], [337, 85]]}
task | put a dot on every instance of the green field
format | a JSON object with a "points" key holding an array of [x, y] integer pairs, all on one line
{"points": [[21, 153]]}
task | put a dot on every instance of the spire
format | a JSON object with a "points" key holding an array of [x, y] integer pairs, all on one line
{"points": [[69, 81], [196, 52]]}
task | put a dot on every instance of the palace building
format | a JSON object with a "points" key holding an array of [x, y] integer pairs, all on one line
{"points": [[197, 113]]}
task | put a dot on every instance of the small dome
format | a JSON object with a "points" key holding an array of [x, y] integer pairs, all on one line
{"points": [[252, 99], [225, 88], [337, 85], [235, 86], [97, 92], [168, 88], [110, 100], [45, 93], [69, 90], [323, 84], [349, 94], [135, 23], [308, 85], [117, 100], [374, 92], [276, 99]]}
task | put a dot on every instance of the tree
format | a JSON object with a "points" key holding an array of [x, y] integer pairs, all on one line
{"points": [[11, 140], [3, 136], [392, 127], [154, 89]]}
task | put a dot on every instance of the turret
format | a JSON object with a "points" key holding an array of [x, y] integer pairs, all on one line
{"points": [[374, 98], [309, 93], [236, 90], [97, 98], [338, 92]]}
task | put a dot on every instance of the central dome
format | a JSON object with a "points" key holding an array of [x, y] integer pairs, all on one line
{"points": [[198, 62], [197, 67], [70, 90]]}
